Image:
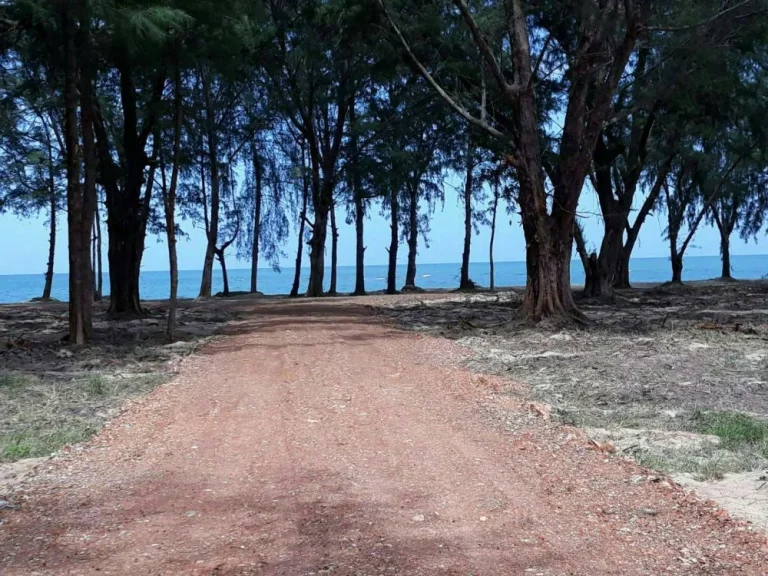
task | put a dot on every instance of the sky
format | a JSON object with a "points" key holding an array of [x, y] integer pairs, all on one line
{"points": [[26, 241]]}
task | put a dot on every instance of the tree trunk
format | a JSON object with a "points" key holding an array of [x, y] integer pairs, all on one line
{"points": [[677, 268], [80, 198], [51, 236], [256, 221], [225, 279], [359, 246], [493, 236], [465, 283], [611, 249], [413, 235], [206, 283], [317, 252], [725, 252], [302, 222], [359, 208], [393, 243], [99, 267], [169, 203], [334, 250]]}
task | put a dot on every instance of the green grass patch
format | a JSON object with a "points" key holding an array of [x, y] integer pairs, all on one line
{"points": [[733, 428], [39, 416]]}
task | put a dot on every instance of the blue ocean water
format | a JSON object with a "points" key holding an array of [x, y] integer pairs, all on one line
{"points": [[154, 285]]}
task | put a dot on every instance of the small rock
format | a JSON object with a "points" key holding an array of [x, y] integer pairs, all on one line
{"points": [[635, 480], [418, 518], [541, 410], [5, 505], [65, 353], [483, 518], [190, 514], [649, 512]]}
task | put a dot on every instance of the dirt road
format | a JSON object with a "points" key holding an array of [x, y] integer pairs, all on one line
{"points": [[311, 439]]}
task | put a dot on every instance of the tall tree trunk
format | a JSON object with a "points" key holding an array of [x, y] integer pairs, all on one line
{"points": [[334, 250], [465, 283], [302, 223], [93, 262], [322, 195], [359, 208], [52, 212], [169, 203], [393, 243], [359, 246], [317, 253], [256, 220], [413, 235], [206, 283], [99, 266], [493, 235]]}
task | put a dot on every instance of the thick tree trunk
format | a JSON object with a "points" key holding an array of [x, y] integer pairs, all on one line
{"points": [[317, 252], [334, 250], [413, 235], [677, 268], [302, 223], [51, 241], [256, 221], [465, 283], [393, 243], [611, 249], [206, 283]]}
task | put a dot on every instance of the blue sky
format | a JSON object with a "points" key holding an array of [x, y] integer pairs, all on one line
{"points": [[26, 241]]}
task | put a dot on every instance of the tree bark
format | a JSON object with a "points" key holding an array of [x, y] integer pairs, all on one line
{"points": [[99, 266], [220, 256], [302, 222], [212, 231], [413, 235], [725, 252], [52, 212], [359, 208], [256, 221], [169, 203], [334, 250], [493, 236], [317, 252], [465, 283], [393, 242]]}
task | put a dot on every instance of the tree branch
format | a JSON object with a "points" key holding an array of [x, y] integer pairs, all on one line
{"points": [[439, 89]]}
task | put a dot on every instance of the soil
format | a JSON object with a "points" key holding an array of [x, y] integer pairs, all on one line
{"points": [[635, 375], [309, 438]]}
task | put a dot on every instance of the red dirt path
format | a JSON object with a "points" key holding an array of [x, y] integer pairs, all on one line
{"points": [[313, 440]]}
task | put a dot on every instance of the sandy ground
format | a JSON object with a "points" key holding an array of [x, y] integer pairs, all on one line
{"points": [[311, 439]]}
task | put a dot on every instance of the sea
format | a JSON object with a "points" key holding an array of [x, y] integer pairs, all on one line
{"points": [[154, 284]]}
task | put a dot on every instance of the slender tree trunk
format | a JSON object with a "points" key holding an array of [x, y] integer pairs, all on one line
{"points": [[334, 250], [169, 203], [220, 256], [51, 233], [413, 235], [677, 267], [465, 283], [725, 252], [93, 262], [206, 283], [493, 235], [393, 243], [256, 221], [302, 222], [359, 208], [359, 246], [99, 266]]}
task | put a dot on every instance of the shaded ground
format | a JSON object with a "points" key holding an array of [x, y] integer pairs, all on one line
{"points": [[313, 440], [52, 394]]}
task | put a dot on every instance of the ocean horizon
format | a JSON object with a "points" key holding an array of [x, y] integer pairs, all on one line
{"points": [[16, 288]]}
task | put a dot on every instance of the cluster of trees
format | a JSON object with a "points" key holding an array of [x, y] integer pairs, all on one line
{"points": [[248, 118]]}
